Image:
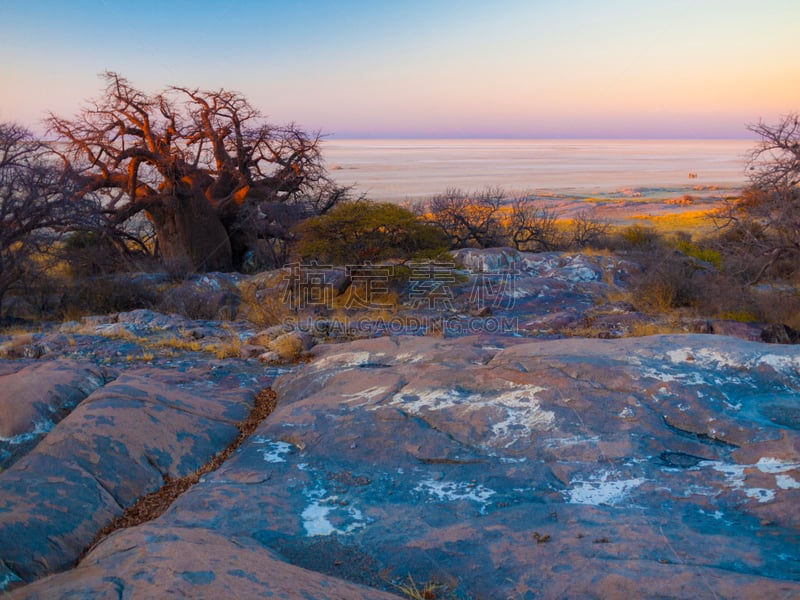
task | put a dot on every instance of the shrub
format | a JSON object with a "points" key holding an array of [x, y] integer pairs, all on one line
{"points": [[586, 230], [88, 253], [668, 279], [106, 294], [684, 244], [205, 297], [358, 231], [638, 237]]}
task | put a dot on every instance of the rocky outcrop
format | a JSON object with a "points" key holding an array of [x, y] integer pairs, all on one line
{"points": [[121, 442], [36, 396], [666, 466]]}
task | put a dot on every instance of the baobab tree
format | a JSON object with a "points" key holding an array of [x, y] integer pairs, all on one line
{"points": [[212, 176]]}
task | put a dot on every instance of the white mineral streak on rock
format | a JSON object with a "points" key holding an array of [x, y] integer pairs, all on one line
{"points": [[343, 360], [39, 427], [455, 491], [410, 358], [768, 464], [273, 452], [523, 413], [315, 520], [563, 442], [600, 489], [760, 494], [743, 360], [781, 364], [735, 476], [365, 397], [787, 482], [692, 378], [315, 515]]}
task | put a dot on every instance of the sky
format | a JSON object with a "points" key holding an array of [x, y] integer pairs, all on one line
{"points": [[423, 68]]}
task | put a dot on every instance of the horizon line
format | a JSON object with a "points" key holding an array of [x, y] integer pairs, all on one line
{"points": [[343, 137]]}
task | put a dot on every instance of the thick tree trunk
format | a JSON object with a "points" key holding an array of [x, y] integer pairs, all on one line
{"points": [[190, 233]]}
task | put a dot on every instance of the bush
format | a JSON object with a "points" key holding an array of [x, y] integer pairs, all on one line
{"points": [[105, 295], [586, 230], [684, 244], [287, 347], [639, 237], [358, 232], [668, 281], [88, 253]]}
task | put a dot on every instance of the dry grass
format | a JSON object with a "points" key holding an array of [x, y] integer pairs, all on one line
{"points": [[261, 301], [428, 591], [227, 348], [177, 343], [16, 343], [288, 347], [120, 333], [143, 357], [643, 329]]}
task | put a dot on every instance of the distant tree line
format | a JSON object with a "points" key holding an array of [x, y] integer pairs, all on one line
{"points": [[490, 218]]}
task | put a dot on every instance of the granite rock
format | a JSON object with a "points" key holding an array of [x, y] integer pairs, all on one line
{"points": [[118, 444], [666, 466]]}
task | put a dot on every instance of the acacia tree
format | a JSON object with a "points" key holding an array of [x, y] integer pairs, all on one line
{"points": [[533, 227], [765, 222], [213, 177], [357, 232]]}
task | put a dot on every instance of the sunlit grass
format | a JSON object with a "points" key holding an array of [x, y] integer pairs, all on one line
{"points": [[690, 221]]}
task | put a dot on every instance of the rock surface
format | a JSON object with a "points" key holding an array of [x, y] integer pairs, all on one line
{"points": [[666, 466], [121, 442], [37, 395], [150, 562]]}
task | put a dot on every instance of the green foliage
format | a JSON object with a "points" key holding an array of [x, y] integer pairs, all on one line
{"points": [[740, 316], [359, 231], [685, 245]]}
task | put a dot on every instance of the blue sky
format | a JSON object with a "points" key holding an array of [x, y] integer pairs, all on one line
{"points": [[358, 68]]}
